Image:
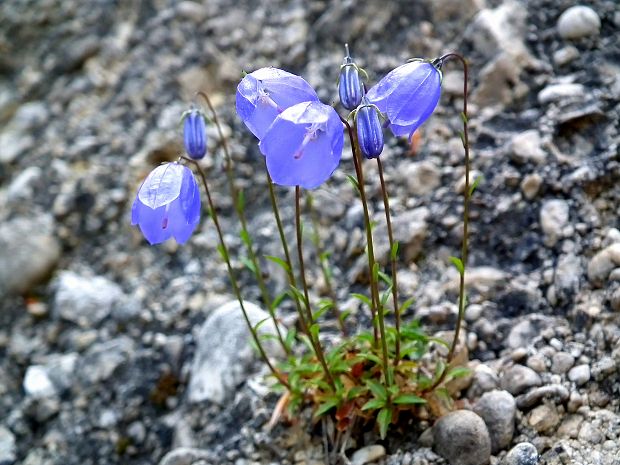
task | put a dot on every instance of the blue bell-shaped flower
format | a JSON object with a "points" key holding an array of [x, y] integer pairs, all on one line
{"points": [[369, 130], [350, 87]]}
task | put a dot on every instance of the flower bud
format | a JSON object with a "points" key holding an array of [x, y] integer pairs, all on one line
{"points": [[369, 130], [350, 85], [195, 134]]}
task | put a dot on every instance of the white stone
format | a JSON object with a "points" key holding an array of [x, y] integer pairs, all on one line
{"points": [[37, 383], [579, 21], [554, 215], [367, 454]]}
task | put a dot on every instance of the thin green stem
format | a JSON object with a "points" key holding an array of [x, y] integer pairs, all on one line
{"points": [[466, 208], [316, 239], [362, 193], [374, 288], [287, 255], [302, 272], [231, 275], [234, 194], [388, 220]]}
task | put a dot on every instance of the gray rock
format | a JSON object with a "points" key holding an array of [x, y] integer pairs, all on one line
{"points": [[554, 216], [498, 410], [28, 253], [601, 264], [484, 379], [590, 433], [567, 277], [523, 453], [462, 438], [224, 353], [527, 147], [544, 418], [579, 21], [533, 397], [531, 185], [410, 228], [8, 447], [186, 456], [85, 301], [37, 383], [561, 362], [565, 55], [101, 360], [579, 374], [560, 92], [421, 177], [367, 454], [519, 378]]}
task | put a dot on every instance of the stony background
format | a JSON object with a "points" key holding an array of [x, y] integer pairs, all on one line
{"points": [[103, 340]]}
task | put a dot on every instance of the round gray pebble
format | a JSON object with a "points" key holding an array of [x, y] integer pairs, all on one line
{"points": [[462, 438], [523, 453], [498, 409]]}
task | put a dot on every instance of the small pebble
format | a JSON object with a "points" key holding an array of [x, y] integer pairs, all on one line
{"points": [[367, 454], [461, 437], [543, 418], [580, 374], [561, 362], [523, 453], [519, 378], [498, 410]]}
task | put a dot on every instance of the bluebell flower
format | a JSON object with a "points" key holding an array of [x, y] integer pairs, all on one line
{"points": [[265, 93], [408, 95], [303, 145], [350, 87], [195, 134], [369, 130], [167, 204]]}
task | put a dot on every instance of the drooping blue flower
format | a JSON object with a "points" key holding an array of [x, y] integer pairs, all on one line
{"points": [[303, 145], [407, 95], [195, 134], [265, 93], [369, 130], [350, 87], [167, 204]]}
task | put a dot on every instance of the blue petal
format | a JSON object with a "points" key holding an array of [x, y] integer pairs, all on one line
{"points": [[162, 185], [369, 131], [151, 222], [350, 87], [304, 145], [265, 93], [416, 97]]}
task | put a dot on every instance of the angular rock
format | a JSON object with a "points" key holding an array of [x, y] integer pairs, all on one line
{"points": [[28, 253], [101, 360], [544, 418], [603, 263], [85, 301], [498, 410], [224, 354], [37, 383], [527, 147], [554, 216], [462, 438], [561, 362]]}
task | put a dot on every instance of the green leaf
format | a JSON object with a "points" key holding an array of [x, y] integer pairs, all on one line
{"points": [[279, 299], [280, 262], [394, 250], [355, 392], [375, 272], [377, 389], [385, 278], [373, 404], [464, 117], [458, 264], [325, 407], [406, 304], [290, 337], [304, 338], [462, 136], [361, 297], [479, 179], [245, 237], [458, 372], [344, 315], [408, 399], [248, 264], [314, 331], [260, 323], [385, 296], [353, 182], [222, 250], [384, 419]]}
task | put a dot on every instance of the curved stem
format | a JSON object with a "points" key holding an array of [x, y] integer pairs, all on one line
{"points": [[302, 272], [466, 207], [231, 275], [388, 220], [234, 194]]}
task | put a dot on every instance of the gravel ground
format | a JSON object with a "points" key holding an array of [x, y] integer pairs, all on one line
{"points": [[107, 348]]}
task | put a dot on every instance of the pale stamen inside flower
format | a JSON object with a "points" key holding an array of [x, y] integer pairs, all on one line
{"points": [[265, 99], [311, 134]]}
